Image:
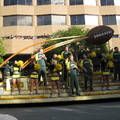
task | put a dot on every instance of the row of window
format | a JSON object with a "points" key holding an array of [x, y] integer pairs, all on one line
{"points": [[21, 20], [61, 2]]}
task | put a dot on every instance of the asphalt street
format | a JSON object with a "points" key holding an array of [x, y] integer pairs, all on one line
{"points": [[89, 111]]}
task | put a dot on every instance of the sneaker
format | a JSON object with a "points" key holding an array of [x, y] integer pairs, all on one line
{"points": [[78, 94], [20, 93], [59, 95], [109, 89], [37, 92], [31, 93], [51, 95], [12, 93]]}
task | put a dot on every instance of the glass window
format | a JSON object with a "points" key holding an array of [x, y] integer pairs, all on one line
{"points": [[118, 20], [21, 2], [109, 20], [107, 2], [92, 2], [6, 2], [13, 2], [58, 20], [117, 2], [17, 20], [43, 2], [57, 2], [91, 20], [17, 2], [77, 19], [76, 2], [9, 21], [44, 20]]}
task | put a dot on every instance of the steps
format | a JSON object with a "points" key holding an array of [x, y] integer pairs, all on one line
{"points": [[25, 97]]}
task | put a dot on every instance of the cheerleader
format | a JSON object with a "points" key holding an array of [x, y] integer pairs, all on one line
{"points": [[55, 79], [34, 78], [16, 76]]}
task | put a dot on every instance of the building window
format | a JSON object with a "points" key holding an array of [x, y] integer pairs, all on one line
{"points": [[18, 20], [48, 2], [77, 20], [91, 20], [58, 2], [107, 2], [51, 20], [43, 2], [76, 2], [17, 2], [109, 20], [92, 2]]}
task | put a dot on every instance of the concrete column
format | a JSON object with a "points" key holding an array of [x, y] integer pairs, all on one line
{"points": [[34, 20], [1, 3], [98, 3], [68, 20], [34, 2], [67, 2]]}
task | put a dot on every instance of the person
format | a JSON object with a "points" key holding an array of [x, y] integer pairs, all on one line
{"points": [[54, 58], [72, 68], [55, 79], [116, 60], [7, 75], [105, 72], [34, 78], [16, 77], [65, 54], [87, 66], [41, 58]]}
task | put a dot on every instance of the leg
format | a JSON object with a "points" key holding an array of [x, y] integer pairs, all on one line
{"points": [[18, 84], [31, 86], [52, 88], [36, 83], [58, 86], [13, 85], [77, 85], [72, 84]]}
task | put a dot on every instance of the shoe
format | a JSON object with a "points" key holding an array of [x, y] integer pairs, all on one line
{"points": [[12, 93], [109, 89], [31, 93], [59, 95], [51, 95], [72, 95], [78, 94], [102, 88], [37, 92], [20, 93]]}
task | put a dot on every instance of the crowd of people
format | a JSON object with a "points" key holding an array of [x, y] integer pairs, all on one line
{"points": [[64, 67], [25, 37]]}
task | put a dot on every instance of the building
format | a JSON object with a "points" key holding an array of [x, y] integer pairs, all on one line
{"points": [[21, 19]]}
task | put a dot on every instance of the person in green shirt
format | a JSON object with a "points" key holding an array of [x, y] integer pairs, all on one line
{"points": [[72, 68], [41, 58], [87, 66], [65, 54], [116, 60]]}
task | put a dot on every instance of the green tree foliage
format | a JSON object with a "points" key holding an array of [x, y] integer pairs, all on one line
{"points": [[2, 50]]}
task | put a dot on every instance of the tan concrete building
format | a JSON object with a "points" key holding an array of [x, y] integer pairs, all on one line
{"points": [[36, 18]]}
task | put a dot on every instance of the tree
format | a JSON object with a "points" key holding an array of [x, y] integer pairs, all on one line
{"points": [[75, 47], [2, 50]]}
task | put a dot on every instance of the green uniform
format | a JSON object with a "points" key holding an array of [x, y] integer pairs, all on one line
{"points": [[42, 70], [16, 72], [87, 64], [116, 56], [73, 78], [65, 55]]}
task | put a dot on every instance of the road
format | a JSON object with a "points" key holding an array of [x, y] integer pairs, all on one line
{"points": [[91, 111]]}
